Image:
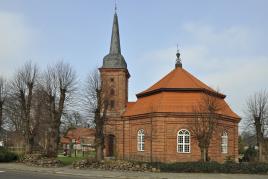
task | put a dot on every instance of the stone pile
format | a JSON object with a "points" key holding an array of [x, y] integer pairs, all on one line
{"points": [[114, 165], [39, 161]]}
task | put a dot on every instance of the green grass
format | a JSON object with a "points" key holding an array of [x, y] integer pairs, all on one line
{"points": [[69, 160], [66, 160]]}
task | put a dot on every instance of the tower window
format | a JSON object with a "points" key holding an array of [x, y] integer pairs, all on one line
{"points": [[112, 104], [112, 79]]}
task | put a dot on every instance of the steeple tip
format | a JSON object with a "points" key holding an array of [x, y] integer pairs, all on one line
{"points": [[178, 59], [115, 40], [115, 7]]}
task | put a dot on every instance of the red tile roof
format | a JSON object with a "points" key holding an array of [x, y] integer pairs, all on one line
{"points": [[177, 92], [78, 133], [178, 80], [64, 140], [130, 104]]}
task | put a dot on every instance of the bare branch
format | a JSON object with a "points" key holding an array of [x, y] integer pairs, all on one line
{"points": [[205, 121], [257, 116]]}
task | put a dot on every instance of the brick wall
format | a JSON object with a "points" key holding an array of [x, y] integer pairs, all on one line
{"points": [[117, 80], [161, 139]]}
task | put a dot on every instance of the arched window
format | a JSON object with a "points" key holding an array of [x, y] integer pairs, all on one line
{"points": [[224, 143], [140, 140], [183, 141]]}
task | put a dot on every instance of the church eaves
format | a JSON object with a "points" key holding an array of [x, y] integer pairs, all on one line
{"points": [[114, 59]]}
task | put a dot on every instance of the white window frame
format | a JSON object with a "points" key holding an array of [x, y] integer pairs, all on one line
{"points": [[140, 140], [224, 143], [183, 133]]}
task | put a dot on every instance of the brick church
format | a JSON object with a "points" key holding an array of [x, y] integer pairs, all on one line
{"points": [[157, 126]]}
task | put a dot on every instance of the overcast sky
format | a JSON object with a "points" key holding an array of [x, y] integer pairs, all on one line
{"points": [[223, 43]]}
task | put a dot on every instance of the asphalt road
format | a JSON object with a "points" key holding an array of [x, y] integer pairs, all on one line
{"points": [[20, 171], [9, 174]]}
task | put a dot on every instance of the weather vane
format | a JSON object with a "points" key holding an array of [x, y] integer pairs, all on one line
{"points": [[115, 6], [178, 59]]}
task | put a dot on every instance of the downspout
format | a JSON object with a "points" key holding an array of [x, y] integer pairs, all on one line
{"points": [[123, 139], [151, 157]]}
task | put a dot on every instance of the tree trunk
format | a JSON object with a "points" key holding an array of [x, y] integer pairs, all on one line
{"points": [[50, 151], [260, 152], [99, 139], [1, 115], [29, 147], [99, 150], [53, 143], [259, 138], [203, 154], [55, 117], [53, 140], [28, 104]]}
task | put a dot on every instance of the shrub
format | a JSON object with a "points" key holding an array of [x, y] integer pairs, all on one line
{"points": [[213, 167], [190, 167], [250, 154], [7, 156]]}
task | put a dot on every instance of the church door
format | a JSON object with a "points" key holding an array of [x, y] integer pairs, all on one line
{"points": [[111, 145]]}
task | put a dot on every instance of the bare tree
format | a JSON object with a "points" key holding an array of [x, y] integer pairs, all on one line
{"points": [[96, 102], [59, 83], [72, 119], [257, 117], [3, 97], [23, 87], [205, 122], [13, 114]]}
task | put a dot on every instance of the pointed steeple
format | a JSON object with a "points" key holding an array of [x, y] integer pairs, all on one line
{"points": [[114, 59], [115, 40]]}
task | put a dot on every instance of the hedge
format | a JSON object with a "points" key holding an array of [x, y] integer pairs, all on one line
{"points": [[7, 156], [213, 167]]}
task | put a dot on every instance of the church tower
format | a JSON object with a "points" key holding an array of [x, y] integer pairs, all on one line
{"points": [[115, 75]]}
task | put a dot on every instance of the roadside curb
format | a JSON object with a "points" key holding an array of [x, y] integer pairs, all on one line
{"points": [[72, 172]]}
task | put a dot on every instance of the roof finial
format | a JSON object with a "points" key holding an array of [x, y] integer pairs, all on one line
{"points": [[115, 6], [178, 59]]}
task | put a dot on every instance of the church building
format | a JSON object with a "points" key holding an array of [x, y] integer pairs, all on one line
{"points": [[157, 126]]}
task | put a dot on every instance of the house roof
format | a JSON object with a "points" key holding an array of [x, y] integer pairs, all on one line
{"points": [[177, 92], [78, 133], [65, 140]]}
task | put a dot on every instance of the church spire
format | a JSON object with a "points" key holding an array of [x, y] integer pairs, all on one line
{"points": [[115, 40], [115, 59]]}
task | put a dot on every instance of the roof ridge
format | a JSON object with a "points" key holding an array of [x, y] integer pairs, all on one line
{"points": [[173, 74], [193, 79]]}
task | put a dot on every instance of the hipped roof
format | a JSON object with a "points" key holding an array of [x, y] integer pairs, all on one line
{"points": [[179, 80], [177, 92]]}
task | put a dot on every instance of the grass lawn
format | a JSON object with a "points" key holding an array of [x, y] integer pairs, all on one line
{"points": [[69, 160], [66, 160]]}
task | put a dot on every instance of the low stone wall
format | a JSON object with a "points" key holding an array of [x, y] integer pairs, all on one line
{"points": [[39, 161], [114, 165]]}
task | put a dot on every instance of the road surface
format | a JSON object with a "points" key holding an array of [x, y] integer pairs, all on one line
{"points": [[21, 171], [9, 174]]}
